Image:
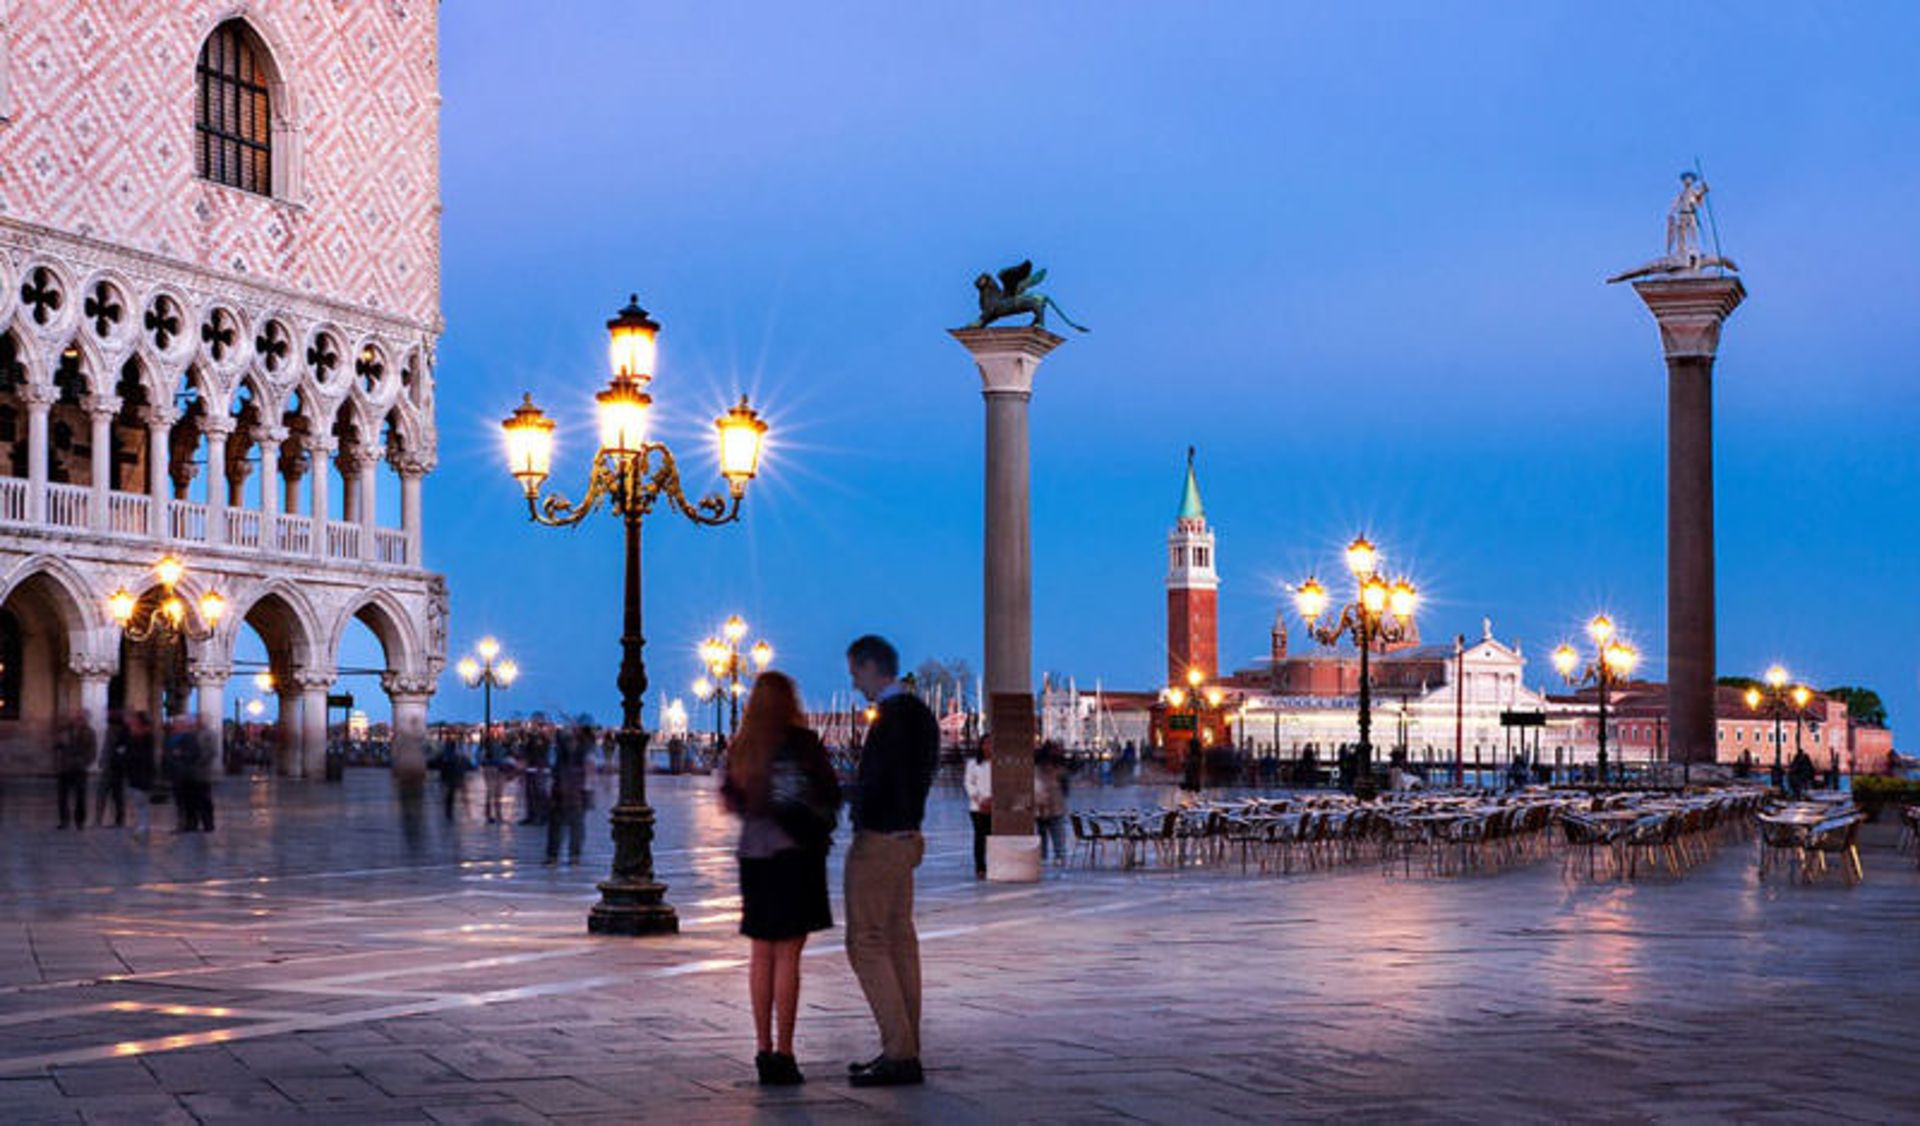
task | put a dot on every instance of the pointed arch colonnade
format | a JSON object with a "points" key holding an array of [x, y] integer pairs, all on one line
{"points": [[246, 431]]}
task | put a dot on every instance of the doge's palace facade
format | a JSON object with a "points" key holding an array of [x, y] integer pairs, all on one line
{"points": [[219, 297]]}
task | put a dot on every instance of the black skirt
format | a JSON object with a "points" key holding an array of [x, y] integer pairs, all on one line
{"points": [[784, 895]]}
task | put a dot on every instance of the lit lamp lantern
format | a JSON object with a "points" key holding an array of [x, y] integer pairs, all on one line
{"points": [[529, 445]]}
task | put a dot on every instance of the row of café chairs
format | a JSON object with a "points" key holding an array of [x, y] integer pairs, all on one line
{"points": [[1621, 834], [1800, 839]]}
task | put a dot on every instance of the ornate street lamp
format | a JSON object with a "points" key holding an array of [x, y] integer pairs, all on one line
{"points": [[1381, 613], [165, 617], [726, 663], [1613, 661], [1186, 706], [1774, 693], [630, 475], [488, 672]]}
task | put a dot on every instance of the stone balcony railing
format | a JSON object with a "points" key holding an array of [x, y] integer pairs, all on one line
{"points": [[244, 529]]}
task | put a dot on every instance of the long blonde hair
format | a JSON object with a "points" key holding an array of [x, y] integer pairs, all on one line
{"points": [[773, 707]]}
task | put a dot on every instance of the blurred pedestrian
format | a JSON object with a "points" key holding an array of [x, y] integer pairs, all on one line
{"points": [[782, 786], [1800, 774], [897, 763], [567, 794], [451, 763], [74, 748], [533, 777], [979, 784], [140, 770], [112, 784], [1050, 801], [492, 769]]}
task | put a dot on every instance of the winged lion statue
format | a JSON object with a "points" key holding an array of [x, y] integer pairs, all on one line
{"points": [[1015, 293]]}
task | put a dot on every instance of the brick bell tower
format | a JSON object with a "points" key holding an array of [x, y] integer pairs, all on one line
{"points": [[1193, 590]]}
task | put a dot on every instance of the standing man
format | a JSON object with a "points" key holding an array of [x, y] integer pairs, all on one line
{"points": [[897, 762]]}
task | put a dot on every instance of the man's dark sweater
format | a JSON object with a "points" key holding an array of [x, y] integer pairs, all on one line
{"points": [[897, 762]]}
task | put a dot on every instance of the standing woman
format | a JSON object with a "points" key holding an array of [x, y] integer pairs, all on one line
{"points": [[783, 788], [979, 783]]}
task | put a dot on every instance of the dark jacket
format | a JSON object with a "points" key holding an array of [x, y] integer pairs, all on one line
{"points": [[897, 762]]}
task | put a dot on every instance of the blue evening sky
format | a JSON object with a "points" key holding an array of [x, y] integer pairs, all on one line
{"points": [[1353, 253]]}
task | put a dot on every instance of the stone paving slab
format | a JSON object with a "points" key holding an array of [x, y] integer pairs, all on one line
{"points": [[332, 955]]}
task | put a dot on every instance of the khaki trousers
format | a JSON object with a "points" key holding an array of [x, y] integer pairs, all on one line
{"points": [[882, 946]]}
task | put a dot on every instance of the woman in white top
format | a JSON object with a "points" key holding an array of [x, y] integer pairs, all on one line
{"points": [[979, 781]]}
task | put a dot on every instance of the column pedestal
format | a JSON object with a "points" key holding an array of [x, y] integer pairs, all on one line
{"points": [[1690, 311], [1007, 359]]}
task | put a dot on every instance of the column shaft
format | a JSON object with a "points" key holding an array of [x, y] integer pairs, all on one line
{"points": [[158, 450], [1690, 558], [216, 496], [38, 404], [102, 448]]}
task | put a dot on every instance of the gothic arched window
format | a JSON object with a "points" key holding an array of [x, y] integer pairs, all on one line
{"points": [[233, 121]]}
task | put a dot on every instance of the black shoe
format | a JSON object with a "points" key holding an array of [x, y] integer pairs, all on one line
{"points": [[889, 1073], [780, 1070], [859, 1066]]}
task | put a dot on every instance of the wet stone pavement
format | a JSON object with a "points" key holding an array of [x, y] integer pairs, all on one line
{"points": [[327, 955]]}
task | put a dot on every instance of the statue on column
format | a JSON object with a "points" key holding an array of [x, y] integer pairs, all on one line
{"points": [[1684, 255], [1014, 294]]}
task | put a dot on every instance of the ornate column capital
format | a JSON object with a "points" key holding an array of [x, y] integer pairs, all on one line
{"points": [[362, 458], [86, 666], [1690, 312], [270, 435], [158, 418], [108, 405], [209, 676], [311, 680], [216, 425], [38, 396], [412, 465], [401, 684], [1007, 357], [320, 445]]}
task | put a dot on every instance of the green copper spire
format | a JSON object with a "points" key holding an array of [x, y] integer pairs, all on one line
{"points": [[1190, 506]]}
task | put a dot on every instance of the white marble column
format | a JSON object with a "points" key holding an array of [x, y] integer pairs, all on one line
{"points": [[270, 439], [215, 428], [409, 696], [210, 692], [39, 400], [94, 675], [320, 451], [412, 472], [159, 449], [312, 687], [101, 410], [366, 464]]}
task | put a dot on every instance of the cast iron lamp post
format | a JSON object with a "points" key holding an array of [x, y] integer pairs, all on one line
{"points": [[489, 672], [1774, 697], [630, 475], [166, 617], [706, 690], [1380, 613], [1189, 702], [1613, 661], [725, 662]]}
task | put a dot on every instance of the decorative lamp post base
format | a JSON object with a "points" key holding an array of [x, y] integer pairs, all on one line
{"points": [[1013, 858], [632, 909]]}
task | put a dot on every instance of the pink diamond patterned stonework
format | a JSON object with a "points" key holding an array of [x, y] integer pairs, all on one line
{"points": [[98, 130]]}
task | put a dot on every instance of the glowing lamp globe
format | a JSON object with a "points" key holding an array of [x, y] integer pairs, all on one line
{"points": [[1401, 599], [1600, 629], [1565, 659], [469, 670], [1373, 596], [1362, 557], [1801, 695], [762, 654], [742, 434], [529, 444], [632, 342], [507, 672], [1310, 599], [734, 628], [212, 605], [121, 605], [169, 571], [1777, 677], [623, 409], [1753, 698]]}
